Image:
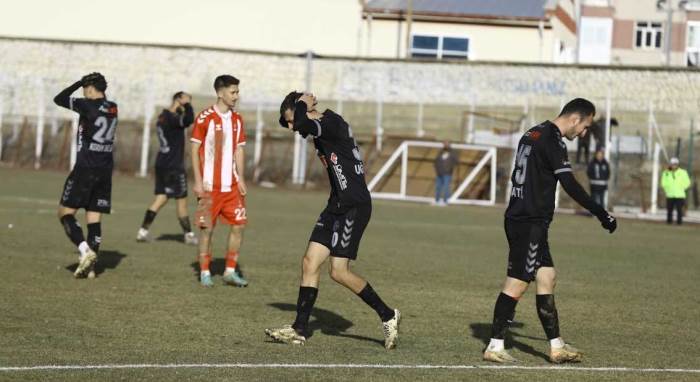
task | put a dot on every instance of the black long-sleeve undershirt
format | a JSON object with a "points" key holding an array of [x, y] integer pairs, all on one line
{"points": [[302, 123], [188, 115], [63, 98], [574, 189]]}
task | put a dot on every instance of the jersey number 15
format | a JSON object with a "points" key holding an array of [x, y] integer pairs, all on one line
{"points": [[521, 164]]}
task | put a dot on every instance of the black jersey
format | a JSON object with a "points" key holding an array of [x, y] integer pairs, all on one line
{"points": [[96, 130], [541, 156], [339, 153], [171, 135]]}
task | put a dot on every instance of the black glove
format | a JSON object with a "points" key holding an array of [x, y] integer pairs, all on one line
{"points": [[608, 222]]}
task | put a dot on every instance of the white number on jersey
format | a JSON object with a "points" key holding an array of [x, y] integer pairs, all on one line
{"points": [[521, 164], [106, 130]]}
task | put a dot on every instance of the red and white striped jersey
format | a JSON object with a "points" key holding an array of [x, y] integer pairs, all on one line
{"points": [[219, 134]]}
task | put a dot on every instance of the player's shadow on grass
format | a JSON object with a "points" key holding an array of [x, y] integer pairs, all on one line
{"points": [[178, 237], [329, 323], [482, 331], [105, 260]]}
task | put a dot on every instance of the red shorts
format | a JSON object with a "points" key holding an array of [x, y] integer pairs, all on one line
{"points": [[229, 207]]}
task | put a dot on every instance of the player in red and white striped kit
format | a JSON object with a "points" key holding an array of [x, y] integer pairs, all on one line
{"points": [[218, 163]]}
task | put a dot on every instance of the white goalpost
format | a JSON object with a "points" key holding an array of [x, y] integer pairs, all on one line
{"points": [[487, 159]]}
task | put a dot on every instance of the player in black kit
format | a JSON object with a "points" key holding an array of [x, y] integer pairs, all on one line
{"points": [[338, 231], [171, 178], [89, 184], [541, 162]]}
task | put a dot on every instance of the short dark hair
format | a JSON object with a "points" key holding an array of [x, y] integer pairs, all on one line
{"points": [[289, 103], [96, 80], [178, 95], [580, 106], [224, 81]]}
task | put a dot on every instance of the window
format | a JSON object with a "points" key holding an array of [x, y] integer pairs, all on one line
{"points": [[440, 47], [648, 35], [425, 46], [693, 46]]}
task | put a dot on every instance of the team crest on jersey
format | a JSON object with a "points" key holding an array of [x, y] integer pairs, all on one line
{"points": [[334, 158], [534, 135]]}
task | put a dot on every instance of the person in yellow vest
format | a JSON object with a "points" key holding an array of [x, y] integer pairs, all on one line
{"points": [[674, 181]]}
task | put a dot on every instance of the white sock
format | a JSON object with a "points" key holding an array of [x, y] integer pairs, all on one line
{"points": [[83, 248], [556, 343], [495, 345], [206, 273], [229, 270]]}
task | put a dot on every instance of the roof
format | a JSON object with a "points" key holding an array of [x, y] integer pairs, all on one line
{"points": [[489, 9]]}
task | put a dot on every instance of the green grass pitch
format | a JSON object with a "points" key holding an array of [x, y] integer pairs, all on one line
{"points": [[627, 299]]}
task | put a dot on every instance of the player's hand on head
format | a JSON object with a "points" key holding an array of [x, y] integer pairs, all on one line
{"points": [[88, 78], [309, 100], [608, 222]]}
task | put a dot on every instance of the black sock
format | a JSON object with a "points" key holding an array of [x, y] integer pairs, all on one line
{"points": [[148, 219], [305, 302], [503, 313], [548, 315], [72, 228], [371, 298], [185, 224], [94, 236]]}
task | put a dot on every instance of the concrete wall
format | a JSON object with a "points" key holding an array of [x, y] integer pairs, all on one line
{"points": [[139, 76]]}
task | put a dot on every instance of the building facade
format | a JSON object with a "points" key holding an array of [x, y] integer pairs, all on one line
{"points": [[604, 32], [639, 32]]}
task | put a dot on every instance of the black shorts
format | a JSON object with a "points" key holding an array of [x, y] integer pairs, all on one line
{"points": [[341, 233], [88, 188], [529, 248], [171, 182]]}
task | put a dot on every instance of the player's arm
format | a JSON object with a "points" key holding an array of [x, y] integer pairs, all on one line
{"points": [[64, 99], [187, 116], [303, 124], [574, 189], [556, 155], [194, 155], [198, 133], [239, 158]]}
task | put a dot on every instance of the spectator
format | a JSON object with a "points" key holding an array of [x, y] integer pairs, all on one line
{"points": [[674, 181], [598, 176], [597, 131], [444, 166], [584, 144]]}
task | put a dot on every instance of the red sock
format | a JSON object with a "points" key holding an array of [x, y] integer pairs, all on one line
{"points": [[231, 259], [204, 261]]}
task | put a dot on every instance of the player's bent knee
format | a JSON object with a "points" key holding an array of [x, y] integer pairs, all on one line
{"points": [[337, 275]]}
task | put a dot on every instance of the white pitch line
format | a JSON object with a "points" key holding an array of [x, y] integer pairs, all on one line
{"points": [[342, 366]]}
